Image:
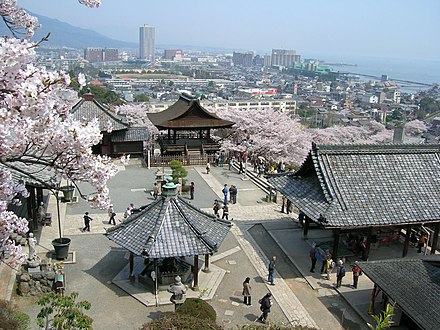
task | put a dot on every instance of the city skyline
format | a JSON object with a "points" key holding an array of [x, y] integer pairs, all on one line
{"points": [[403, 29]]}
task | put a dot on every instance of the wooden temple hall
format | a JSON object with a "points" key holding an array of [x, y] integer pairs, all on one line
{"points": [[169, 234], [188, 128], [379, 193]]}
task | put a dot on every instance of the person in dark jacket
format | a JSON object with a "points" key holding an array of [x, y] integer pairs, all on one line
{"points": [[265, 304], [225, 212], [340, 273], [271, 269], [87, 220]]}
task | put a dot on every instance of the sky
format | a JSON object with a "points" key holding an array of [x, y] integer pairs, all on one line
{"points": [[383, 28]]}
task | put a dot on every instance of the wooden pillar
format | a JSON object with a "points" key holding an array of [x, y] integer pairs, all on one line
{"points": [[39, 196], [435, 238], [131, 259], [209, 134], [306, 225], [368, 243], [156, 275], [373, 300], [169, 134], [31, 211], [406, 243], [206, 268], [174, 136], [336, 235], [196, 273]]}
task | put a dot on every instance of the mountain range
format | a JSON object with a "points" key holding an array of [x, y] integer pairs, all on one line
{"points": [[65, 35]]}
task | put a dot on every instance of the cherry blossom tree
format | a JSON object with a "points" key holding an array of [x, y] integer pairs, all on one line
{"points": [[415, 127], [268, 133], [38, 131], [373, 133], [277, 136]]}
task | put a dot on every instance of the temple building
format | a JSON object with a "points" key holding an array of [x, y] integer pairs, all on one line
{"points": [[188, 128], [123, 138]]}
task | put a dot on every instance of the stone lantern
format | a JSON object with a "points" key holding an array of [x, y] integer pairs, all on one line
{"points": [[178, 290]]}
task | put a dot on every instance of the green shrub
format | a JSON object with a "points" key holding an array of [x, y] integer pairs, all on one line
{"points": [[178, 171], [197, 308], [63, 312], [11, 318], [173, 321]]}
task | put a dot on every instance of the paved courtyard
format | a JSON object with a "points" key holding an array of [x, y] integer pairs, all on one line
{"points": [[259, 231]]}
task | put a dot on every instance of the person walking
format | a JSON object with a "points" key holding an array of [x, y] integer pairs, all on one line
{"points": [[225, 212], [247, 290], [329, 265], [111, 214], [191, 190], [421, 243], [230, 163], [127, 213], [234, 194], [321, 257], [225, 194], [340, 273], [312, 255], [283, 204], [271, 269], [155, 190], [87, 220], [216, 208], [288, 206], [208, 168], [356, 273], [265, 305]]}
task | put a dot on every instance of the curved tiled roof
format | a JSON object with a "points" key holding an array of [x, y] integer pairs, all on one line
{"points": [[414, 284], [187, 113], [367, 185], [89, 109], [170, 227]]}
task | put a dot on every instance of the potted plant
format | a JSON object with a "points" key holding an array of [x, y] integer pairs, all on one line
{"points": [[60, 244]]}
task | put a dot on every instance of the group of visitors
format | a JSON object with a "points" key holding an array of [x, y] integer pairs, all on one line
{"points": [[111, 214], [216, 207], [286, 205], [316, 253], [232, 191], [265, 302]]}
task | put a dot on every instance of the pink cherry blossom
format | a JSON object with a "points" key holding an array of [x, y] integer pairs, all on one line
{"points": [[36, 128]]}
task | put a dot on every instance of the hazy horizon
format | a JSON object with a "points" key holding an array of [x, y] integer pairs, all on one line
{"points": [[399, 29]]}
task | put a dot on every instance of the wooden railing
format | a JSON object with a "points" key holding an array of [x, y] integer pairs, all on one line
{"points": [[185, 160]]}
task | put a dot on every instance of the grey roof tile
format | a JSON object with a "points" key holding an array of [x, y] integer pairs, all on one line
{"points": [[130, 134], [414, 284], [365, 185], [170, 227], [91, 109]]}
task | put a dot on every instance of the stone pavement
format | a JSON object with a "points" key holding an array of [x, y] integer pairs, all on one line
{"points": [[292, 308], [98, 260]]}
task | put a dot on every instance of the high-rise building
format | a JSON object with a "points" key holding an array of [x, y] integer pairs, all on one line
{"points": [[284, 57], [242, 59], [146, 42]]}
